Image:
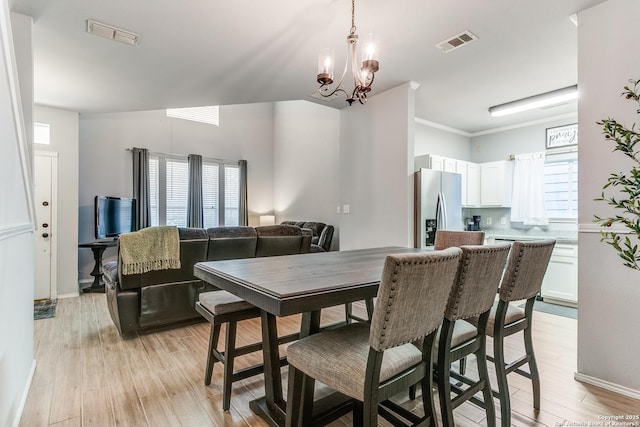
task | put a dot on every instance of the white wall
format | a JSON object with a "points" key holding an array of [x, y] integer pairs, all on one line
{"points": [[306, 172], [431, 140], [608, 324], [245, 132], [64, 141], [16, 227], [525, 139], [376, 170]]}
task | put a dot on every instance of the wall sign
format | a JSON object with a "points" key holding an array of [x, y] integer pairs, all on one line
{"points": [[562, 136]]}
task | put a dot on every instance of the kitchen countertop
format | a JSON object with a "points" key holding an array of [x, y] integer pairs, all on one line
{"points": [[567, 239]]}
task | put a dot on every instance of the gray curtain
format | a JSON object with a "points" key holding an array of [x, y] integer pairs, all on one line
{"points": [[244, 212], [141, 187], [195, 211]]}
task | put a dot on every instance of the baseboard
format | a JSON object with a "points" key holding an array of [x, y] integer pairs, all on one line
{"points": [[69, 295], [25, 393], [616, 388]]}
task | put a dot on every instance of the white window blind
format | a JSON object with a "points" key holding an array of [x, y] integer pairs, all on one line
{"points": [[153, 191], [561, 189], [231, 195], [169, 181], [210, 194], [177, 188]]}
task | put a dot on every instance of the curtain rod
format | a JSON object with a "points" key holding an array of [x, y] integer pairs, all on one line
{"points": [[187, 155], [552, 152]]}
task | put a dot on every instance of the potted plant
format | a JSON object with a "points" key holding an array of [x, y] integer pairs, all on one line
{"points": [[626, 183]]}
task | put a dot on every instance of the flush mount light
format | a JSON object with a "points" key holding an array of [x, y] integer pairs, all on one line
{"points": [[112, 33], [547, 99]]}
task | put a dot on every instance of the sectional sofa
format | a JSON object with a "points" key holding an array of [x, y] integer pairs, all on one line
{"points": [[155, 299]]}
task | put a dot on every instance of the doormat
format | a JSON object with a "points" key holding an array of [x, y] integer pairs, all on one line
{"points": [[559, 310], [44, 309]]}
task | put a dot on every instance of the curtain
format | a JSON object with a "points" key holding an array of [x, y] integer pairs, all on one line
{"points": [[243, 209], [195, 211], [141, 187], [527, 202]]}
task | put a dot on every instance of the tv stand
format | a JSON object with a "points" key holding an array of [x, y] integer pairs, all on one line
{"points": [[98, 248]]}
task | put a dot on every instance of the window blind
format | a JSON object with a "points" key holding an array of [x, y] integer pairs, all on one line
{"points": [[561, 189]]}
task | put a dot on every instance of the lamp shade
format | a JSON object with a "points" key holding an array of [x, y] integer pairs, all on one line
{"points": [[267, 219]]}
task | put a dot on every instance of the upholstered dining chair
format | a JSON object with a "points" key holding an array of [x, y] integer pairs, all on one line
{"points": [[444, 239], [447, 239], [472, 295], [522, 280], [372, 362]]}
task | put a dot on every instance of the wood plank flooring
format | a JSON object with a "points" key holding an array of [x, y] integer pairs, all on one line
{"points": [[87, 375]]}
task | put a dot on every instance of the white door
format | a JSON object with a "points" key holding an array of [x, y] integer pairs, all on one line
{"points": [[45, 174]]}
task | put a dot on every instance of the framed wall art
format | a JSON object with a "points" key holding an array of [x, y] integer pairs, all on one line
{"points": [[562, 136]]}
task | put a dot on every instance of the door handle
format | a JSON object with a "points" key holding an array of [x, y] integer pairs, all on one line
{"points": [[45, 235]]}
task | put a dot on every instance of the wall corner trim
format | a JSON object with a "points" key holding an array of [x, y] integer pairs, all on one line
{"points": [[616, 388], [25, 393]]}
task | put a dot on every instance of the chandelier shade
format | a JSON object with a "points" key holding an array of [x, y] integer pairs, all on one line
{"points": [[363, 73]]}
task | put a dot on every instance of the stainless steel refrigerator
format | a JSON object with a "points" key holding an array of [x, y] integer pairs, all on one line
{"points": [[438, 204]]}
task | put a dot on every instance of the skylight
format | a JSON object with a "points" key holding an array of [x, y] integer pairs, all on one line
{"points": [[208, 114]]}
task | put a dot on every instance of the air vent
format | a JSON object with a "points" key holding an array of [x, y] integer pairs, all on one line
{"points": [[456, 41], [112, 33]]}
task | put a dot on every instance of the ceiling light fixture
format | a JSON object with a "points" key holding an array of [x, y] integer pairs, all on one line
{"points": [[547, 99], [362, 76]]}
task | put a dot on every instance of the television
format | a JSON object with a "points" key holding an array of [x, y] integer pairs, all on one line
{"points": [[114, 216]]}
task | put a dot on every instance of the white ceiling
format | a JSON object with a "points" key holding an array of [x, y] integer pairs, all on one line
{"points": [[207, 52]]}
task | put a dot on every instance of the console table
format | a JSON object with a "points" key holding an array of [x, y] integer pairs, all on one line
{"points": [[98, 248]]}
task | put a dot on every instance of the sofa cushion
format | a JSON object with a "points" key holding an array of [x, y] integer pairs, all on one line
{"points": [[274, 240], [231, 243]]}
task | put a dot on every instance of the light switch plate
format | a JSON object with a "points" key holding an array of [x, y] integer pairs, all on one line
{"points": [[338, 209], [346, 209], [488, 220]]}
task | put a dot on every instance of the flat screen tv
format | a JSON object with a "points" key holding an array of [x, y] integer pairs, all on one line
{"points": [[114, 216]]}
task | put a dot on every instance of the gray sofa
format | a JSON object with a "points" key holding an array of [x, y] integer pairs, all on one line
{"points": [[322, 234], [141, 302]]}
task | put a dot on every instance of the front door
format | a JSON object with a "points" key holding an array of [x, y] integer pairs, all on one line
{"points": [[45, 171]]}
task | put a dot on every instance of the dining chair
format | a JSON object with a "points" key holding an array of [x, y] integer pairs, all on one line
{"points": [[522, 280], [472, 295], [446, 238], [372, 362]]}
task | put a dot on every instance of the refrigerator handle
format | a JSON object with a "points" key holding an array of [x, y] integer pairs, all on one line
{"points": [[441, 212]]}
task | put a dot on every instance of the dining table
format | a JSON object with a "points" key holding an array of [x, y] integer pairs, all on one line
{"points": [[298, 284]]}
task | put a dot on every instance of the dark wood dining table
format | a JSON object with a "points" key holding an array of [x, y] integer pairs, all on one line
{"points": [[292, 284]]}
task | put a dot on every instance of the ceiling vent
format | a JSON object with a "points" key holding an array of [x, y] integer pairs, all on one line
{"points": [[112, 33], [456, 41]]}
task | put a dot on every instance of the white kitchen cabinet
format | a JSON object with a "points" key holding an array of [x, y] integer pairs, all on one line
{"points": [[450, 165], [560, 284], [473, 184], [496, 183]]}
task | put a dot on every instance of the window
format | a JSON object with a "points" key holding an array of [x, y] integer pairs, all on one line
{"points": [[561, 188], [41, 133], [169, 189]]}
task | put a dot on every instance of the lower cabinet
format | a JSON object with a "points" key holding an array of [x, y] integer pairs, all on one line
{"points": [[560, 284]]}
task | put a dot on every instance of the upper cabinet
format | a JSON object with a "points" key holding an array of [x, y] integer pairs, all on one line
{"points": [[483, 184], [496, 183], [469, 171]]}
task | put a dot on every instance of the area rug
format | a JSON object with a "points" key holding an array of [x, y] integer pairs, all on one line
{"points": [[559, 310], [44, 309]]}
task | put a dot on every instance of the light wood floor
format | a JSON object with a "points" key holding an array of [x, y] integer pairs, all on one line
{"points": [[86, 375]]}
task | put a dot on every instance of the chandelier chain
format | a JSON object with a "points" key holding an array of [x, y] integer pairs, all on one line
{"points": [[353, 17]]}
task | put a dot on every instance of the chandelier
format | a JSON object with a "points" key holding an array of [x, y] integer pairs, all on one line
{"points": [[362, 77]]}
